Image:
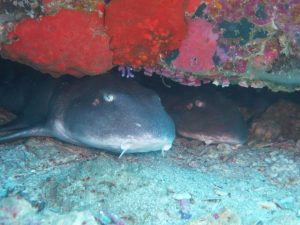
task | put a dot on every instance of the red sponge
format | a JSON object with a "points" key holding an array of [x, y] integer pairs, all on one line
{"points": [[69, 42], [142, 31]]}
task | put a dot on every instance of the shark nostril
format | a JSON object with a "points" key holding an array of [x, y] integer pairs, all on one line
{"points": [[189, 106], [96, 102], [125, 145], [108, 97]]}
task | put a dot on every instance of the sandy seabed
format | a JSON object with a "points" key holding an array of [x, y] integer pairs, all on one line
{"points": [[47, 182]]}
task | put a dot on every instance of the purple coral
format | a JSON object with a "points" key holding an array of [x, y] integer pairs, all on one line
{"points": [[260, 12], [126, 71], [241, 66], [231, 10]]}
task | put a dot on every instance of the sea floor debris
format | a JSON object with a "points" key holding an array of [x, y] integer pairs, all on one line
{"points": [[45, 180]]}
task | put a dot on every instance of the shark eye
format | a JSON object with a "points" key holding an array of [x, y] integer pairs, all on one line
{"points": [[108, 97], [199, 104]]}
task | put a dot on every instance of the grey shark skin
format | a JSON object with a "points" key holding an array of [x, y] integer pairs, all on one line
{"points": [[202, 113], [104, 112], [208, 116]]}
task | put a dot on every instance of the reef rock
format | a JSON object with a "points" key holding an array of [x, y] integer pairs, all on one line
{"points": [[280, 120]]}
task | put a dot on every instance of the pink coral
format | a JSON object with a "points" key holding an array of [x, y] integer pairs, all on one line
{"points": [[197, 50]]}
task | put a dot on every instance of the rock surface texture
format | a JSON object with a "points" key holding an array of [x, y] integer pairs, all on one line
{"points": [[252, 43]]}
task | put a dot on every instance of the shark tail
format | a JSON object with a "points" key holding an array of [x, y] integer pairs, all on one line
{"points": [[23, 133]]}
